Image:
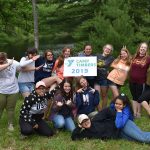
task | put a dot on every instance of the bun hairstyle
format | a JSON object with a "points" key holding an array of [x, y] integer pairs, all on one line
{"points": [[3, 56], [31, 51]]}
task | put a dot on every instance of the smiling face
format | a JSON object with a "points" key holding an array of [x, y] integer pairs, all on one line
{"points": [[67, 87], [49, 56], [86, 124], [119, 104], [143, 49], [88, 50], [123, 55], [83, 83], [67, 53], [107, 49]]}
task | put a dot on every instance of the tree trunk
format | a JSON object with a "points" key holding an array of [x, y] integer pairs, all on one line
{"points": [[35, 17]]}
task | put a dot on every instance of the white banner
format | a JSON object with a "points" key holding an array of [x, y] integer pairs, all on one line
{"points": [[77, 66]]}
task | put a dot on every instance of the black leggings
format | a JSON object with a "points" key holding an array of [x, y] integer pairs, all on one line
{"points": [[136, 90], [27, 129], [145, 95]]}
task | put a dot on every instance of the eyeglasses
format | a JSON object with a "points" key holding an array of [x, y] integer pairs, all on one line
{"points": [[108, 48]]}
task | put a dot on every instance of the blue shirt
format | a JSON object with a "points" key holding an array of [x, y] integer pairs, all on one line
{"points": [[122, 117]]}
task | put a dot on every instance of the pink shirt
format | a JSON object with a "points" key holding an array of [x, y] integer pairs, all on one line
{"points": [[59, 71], [119, 74]]}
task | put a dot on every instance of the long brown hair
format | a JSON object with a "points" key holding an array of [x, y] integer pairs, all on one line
{"points": [[47, 51], [61, 57], [128, 59]]}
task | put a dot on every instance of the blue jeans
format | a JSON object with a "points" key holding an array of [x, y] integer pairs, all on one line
{"points": [[132, 132], [60, 122], [26, 87]]}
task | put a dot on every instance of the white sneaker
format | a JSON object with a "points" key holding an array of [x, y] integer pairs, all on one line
{"points": [[10, 127]]}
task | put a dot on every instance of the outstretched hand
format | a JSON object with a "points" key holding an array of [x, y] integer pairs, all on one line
{"points": [[80, 90], [35, 57], [11, 61], [39, 67], [68, 102]]}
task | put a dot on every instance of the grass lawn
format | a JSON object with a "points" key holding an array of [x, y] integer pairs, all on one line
{"points": [[62, 140]]}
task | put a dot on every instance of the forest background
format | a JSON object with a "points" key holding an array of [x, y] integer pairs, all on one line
{"points": [[73, 22]]}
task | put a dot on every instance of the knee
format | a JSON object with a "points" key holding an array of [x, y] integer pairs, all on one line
{"points": [[49, 133], [27, 131], [59, 122]]}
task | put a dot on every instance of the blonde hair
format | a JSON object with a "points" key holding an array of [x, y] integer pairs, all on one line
{"points": [[128, 59], [137, 51]]}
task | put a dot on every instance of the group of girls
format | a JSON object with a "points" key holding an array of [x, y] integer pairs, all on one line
{"points": [[64, 102]]}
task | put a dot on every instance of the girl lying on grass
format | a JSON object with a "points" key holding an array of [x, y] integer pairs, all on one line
{"points": [[124, 120], [113, 122]]}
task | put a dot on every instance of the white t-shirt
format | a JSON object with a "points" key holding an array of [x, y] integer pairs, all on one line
{"points": [[8, 80], [26, 76]]}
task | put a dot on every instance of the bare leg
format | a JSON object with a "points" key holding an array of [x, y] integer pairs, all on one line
{"points": [[114, 90], [136, 108], [51, 80], [52, 86], [97, 87], [104, 91], [146, 106]]}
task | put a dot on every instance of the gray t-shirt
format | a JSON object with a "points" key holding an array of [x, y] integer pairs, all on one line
{"points": [[8, 80], [29, 75]]}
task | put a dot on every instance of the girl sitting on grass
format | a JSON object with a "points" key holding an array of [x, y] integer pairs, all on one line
{"points": [[87, 99], [124, 120], [32, 112], [61, 112]]}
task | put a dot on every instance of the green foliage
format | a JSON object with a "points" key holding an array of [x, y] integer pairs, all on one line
{"points": [[62, 140], [119, 22], [16, 27], [140, 12], [112, 24]]}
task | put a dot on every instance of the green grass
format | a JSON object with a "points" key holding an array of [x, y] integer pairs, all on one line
{"points": [[62, 140]]}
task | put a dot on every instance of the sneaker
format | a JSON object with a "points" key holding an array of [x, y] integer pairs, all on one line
{"points": [[22, 137], [10, 127]]}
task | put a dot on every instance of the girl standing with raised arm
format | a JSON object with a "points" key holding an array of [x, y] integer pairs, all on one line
{"points": [[26, 78], [8, 87], [121, 67]]}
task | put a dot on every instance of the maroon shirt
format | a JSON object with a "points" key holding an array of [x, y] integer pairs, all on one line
{"points": [[138, 70]]}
